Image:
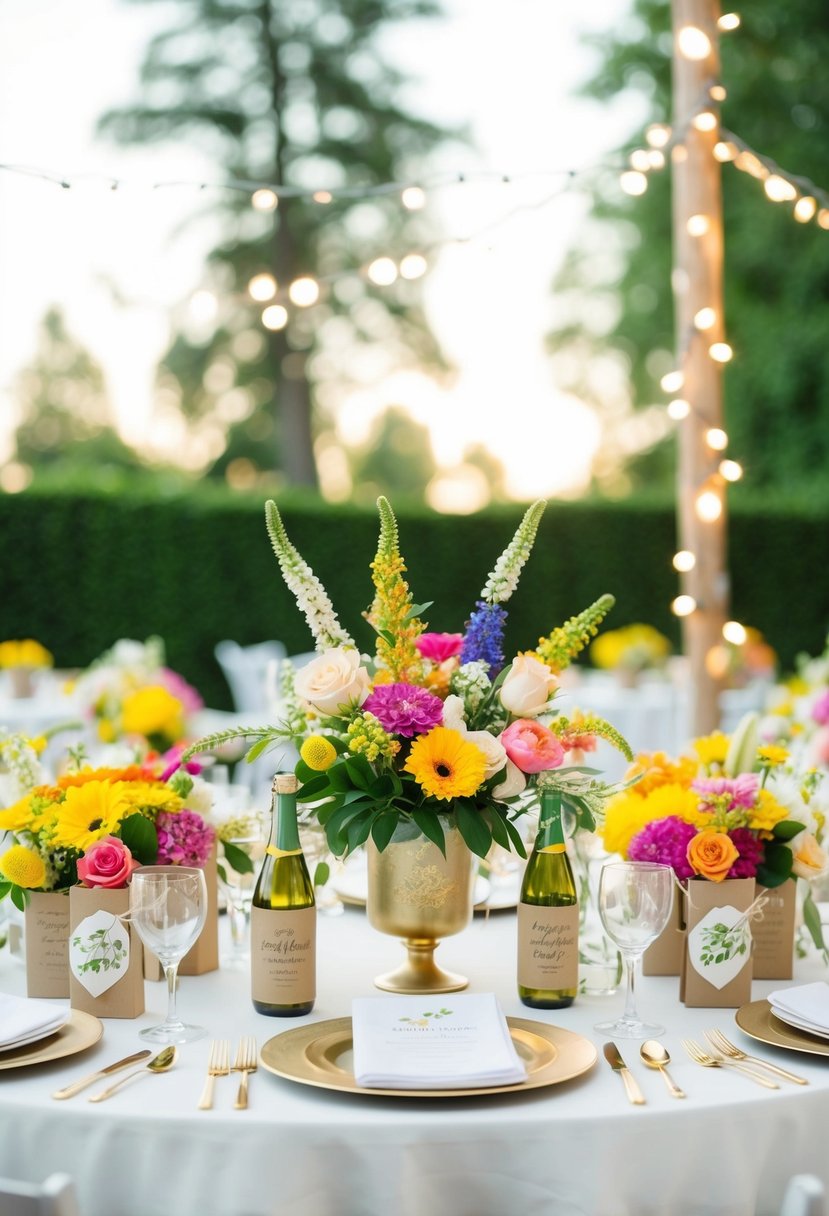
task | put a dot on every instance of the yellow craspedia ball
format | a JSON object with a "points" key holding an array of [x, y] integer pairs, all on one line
{"points": [[318, 753], [23, 867]]}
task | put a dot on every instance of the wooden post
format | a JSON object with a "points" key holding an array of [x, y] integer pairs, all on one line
{"points": [[697, 282]]}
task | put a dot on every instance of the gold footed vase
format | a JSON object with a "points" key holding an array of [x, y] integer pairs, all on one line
{"points": [[417, 894]]}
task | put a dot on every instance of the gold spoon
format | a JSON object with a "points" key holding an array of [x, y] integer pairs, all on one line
{"points": [[160, 1063], [656, 1056]]}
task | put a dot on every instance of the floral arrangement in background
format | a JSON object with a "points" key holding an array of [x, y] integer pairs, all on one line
{"points": [[739, 660], [20, 767], [797, 712], [633, 648], [133, 696], [440, 729], [93, 826], [736, 808], [24, 653]]}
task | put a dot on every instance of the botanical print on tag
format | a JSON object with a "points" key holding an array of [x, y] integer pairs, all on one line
{"points": [[719, 946], [99, 952]]}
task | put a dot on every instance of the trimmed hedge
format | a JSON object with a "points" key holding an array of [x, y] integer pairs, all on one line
{"points": [[82, 570]]}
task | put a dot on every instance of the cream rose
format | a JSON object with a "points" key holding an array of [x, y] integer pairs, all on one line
{"points": [[493, 749], [809, 860], [513, 784], [527, 687], [333, 681]]}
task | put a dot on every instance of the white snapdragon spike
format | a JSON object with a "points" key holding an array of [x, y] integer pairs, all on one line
{"points": [[504, 577], [310, 595]]}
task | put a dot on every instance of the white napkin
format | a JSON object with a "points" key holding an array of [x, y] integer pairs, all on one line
{"points": [[433, 1042], [24, 1020], [805, 1006]]}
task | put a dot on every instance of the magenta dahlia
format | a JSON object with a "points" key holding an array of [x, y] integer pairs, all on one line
{"points": [[751, 850], [664, 841], [404, 709]]}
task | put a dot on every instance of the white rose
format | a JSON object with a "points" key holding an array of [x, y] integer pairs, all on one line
{"points": [[527, 687], [514, 782], [493, 749], [453, 714], [809, 859], [333, 681]]}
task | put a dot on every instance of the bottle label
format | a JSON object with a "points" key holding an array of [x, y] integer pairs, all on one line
{"points": [[548, 940], [283, 946]]}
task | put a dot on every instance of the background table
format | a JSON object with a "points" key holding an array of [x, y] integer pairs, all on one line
{"points": [[570, 1149]]}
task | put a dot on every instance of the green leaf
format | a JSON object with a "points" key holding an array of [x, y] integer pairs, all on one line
{"points": [[811, 919], [416, 609], [140, 837], [495, 818], [237, 858], [431, 827], [472, 826], [357, 832], [256, 749], [382, 829], [515, 837], [776, 865], [322, 873], [356, 769], [5, 887], [787, 829], [19, 898]]}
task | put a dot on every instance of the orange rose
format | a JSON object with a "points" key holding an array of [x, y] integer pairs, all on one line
{"points": [[711, 855]]}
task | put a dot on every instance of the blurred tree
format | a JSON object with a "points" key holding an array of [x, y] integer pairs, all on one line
{"points": [[616, 335], [396, 459], [294, 93]]}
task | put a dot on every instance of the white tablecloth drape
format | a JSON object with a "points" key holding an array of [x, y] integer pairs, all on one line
{"points": [[572, 1149]]}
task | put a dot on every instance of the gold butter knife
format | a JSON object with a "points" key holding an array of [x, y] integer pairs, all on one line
{"points": [[614, 1059], [77, 1086]]}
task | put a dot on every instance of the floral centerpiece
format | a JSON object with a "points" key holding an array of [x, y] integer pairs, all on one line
{"points": [[132, 695], [798, 710], [631, 649], [25, 652], [436, 729], [93, 826], [20, 767]]}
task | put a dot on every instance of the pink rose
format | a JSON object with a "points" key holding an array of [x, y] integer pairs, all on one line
{"points": [[106, 863], [439, 646], [531, 746]]}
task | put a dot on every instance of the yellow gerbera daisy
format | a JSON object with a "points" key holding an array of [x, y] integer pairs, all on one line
{"points": [[17, 816], [23, 867], [771, 755], [89, 812], [445, 765]]}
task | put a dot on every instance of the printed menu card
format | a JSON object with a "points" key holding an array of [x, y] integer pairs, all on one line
{"points": [[428, 1042]]}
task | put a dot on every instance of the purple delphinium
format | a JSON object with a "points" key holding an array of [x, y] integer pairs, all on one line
{"points": [[484, 638], [184, 839], [404, 709], [751, 850], [742, 790], [664, 841]]}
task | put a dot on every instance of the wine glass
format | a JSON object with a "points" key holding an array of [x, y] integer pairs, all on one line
{"points": [[247, 834], [635, 900], [168, 907]]}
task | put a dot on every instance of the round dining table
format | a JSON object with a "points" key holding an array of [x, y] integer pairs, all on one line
{"points": [[574, 1148]]}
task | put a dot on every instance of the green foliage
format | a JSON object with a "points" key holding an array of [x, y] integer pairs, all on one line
{"points": [[776, 270]]}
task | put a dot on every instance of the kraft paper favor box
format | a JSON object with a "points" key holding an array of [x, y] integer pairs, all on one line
{"points": [[203, 955], [124, 997], [47, 944], [702, 898], [664, 956], [773, 932]]}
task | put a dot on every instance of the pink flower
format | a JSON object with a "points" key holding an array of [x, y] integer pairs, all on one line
{"points": [[184, 839], [439, 646], [178, 687], [741, 790], [106, 863], [820, 709], [405, 709], [171, 759], [531, 746]]}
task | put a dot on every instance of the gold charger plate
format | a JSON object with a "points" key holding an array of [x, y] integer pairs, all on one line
{"points": [[81, 1031], [758, 1021], [313, 1055]]}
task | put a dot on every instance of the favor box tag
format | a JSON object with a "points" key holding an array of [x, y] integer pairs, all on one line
{"points": [[106, 956], [203, 955], [773, 932], [47, 944], [716, 964]]}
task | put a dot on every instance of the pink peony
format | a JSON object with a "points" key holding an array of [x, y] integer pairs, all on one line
{"points": [[439, 646], [531, 746], [106, 863], [405, 709]]}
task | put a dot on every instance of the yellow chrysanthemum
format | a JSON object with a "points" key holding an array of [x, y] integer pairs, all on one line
{"points": [[772, 755], [767, 812], [657, 769], [627, 813], [318, 753], [153, 711], [149, 795], [445, 765], [23, 867], [89, 812], [712, 749]]}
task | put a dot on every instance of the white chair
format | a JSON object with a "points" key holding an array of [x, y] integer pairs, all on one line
{"points": [[805, 1196], [54, 1197], [245, 668]]}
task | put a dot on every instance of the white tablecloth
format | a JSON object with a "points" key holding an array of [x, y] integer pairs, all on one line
{"points": [[568, 1150]]}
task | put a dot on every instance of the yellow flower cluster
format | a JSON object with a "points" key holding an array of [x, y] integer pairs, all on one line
{"points": [[629, 812], [23, 867], [24, 653], [635, 647], [389, 611], [153, 711], [767, 812], [712, 749], [366, 737], [318, 753]]}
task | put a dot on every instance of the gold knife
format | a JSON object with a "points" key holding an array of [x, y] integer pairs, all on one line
{"points": [[77, 1086], [614, 1059]]}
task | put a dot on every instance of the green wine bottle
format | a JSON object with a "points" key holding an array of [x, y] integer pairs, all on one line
{"points": [[283, 916], [548, 917]]}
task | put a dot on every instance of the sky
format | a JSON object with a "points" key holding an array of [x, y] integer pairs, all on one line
{"points": [[118, 261]]}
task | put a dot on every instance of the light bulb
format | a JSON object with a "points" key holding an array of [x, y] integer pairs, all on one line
{"points": [[728, 22], [264, 200], [275, 317], [706, 318], [672, 382], [734, 632], [262, 287], [656, 159], [708, 506], [823, 217], [706, 120], [716, 439], [640, 160], [718, 92], [724, 151], [749, 163], [203, 305], [717, 661], [633, 182], [693, 42], [778, 189], [382, 272], [721, 352], [730, 470], [679, 154], [304, 291], [658, 134], [684, 560], [413, 198], [683, 605], [322, 197], [697, 225], [413, 265], [678, 409], [805, 208]]}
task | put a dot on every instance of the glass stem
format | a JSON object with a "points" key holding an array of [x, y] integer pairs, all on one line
{"points": [[630, 1014], [170, 973]]}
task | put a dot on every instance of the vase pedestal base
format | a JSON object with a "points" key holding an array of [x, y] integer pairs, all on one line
{"points": [[420, 973]]}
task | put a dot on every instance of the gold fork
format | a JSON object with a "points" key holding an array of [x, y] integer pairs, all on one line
{"points": [[718, 1040], [218, 1065], [709, 1061], [246, 1062]]}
